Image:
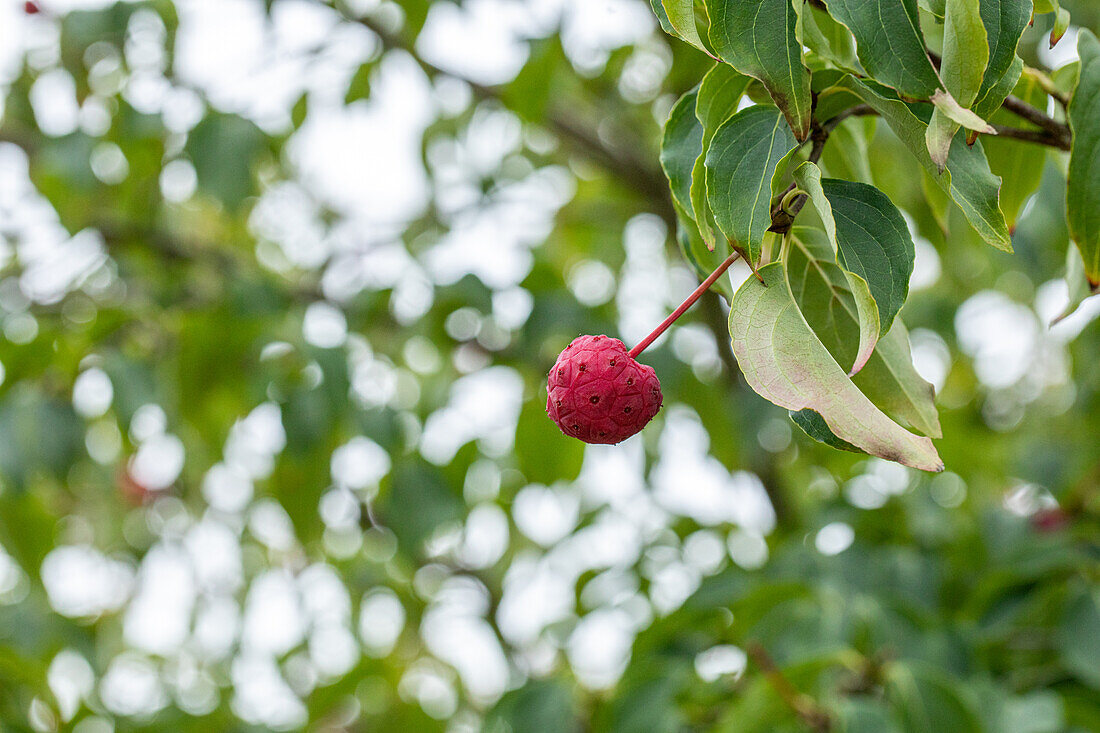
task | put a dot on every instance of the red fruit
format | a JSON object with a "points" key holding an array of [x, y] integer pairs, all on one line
{"points": [[598, 393], [1050, 520], [30, 8]]}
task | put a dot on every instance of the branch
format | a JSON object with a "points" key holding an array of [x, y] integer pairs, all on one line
{"points": [[622, 162], [783, 218], [1040, 137], [1053, 134], [804, 706], [714, 313], [859, 110], [1059, 130]]}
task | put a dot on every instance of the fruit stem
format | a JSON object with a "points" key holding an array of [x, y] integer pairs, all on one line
{"points": [[644, 343]]}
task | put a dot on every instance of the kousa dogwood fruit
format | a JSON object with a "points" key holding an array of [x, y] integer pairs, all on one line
{"points": [[598, 392]]}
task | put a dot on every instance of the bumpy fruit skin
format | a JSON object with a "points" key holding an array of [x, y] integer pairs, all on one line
{"points": [[598, 393]]}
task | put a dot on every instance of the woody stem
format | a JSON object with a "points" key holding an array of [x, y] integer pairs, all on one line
{"points": [[644, 343]]}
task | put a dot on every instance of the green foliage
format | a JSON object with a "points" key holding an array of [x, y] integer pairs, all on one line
{"points": [[311, 354], [849, 303], [223, 149], [758, 39], [890, 43], [741, 165], [967, 177], [784, 361], [965, 55], [1005, 22], [1083, 203]]}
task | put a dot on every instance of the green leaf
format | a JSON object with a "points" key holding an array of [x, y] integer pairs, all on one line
{"points": [[299, 111], [784, 362], [1061, 25], [757, 37], [967, 177], [681, 145], [681, 16], [848, 155], [989, 102], [1083, 181], [1005, 22], [719, 94], [928, 700], [874, 242], [827, 38], [889, 43], [868, 235], [1076, 283], [965, 55], [740, 165], [965, 50], [892, 382], [837, 304], [936, 7], [1079, 637], [938, 200], [359, 87], [814, 426], [662, 17], [223, 148], [949, 108], [830, 305], [1019, 166], [947, 117], [844, 298]]}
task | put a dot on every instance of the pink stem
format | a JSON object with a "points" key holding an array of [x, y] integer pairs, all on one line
{"points": [[644, 343]]}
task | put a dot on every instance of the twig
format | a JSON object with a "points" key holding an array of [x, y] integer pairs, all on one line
{"points": [[804, 706], [1060, 135], [1022, 109], [688, 302], [1040, 137], [1047, 85], [783, 217], [858, 110]]}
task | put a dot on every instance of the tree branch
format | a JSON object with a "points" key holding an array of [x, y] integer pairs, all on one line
{"points": [[804, 706], [714, 315], [783, 218], [1040, 137], [859, 110], [1058, 130]]}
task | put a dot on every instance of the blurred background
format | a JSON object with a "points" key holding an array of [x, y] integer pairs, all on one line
{"points": [[280, 281]]}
